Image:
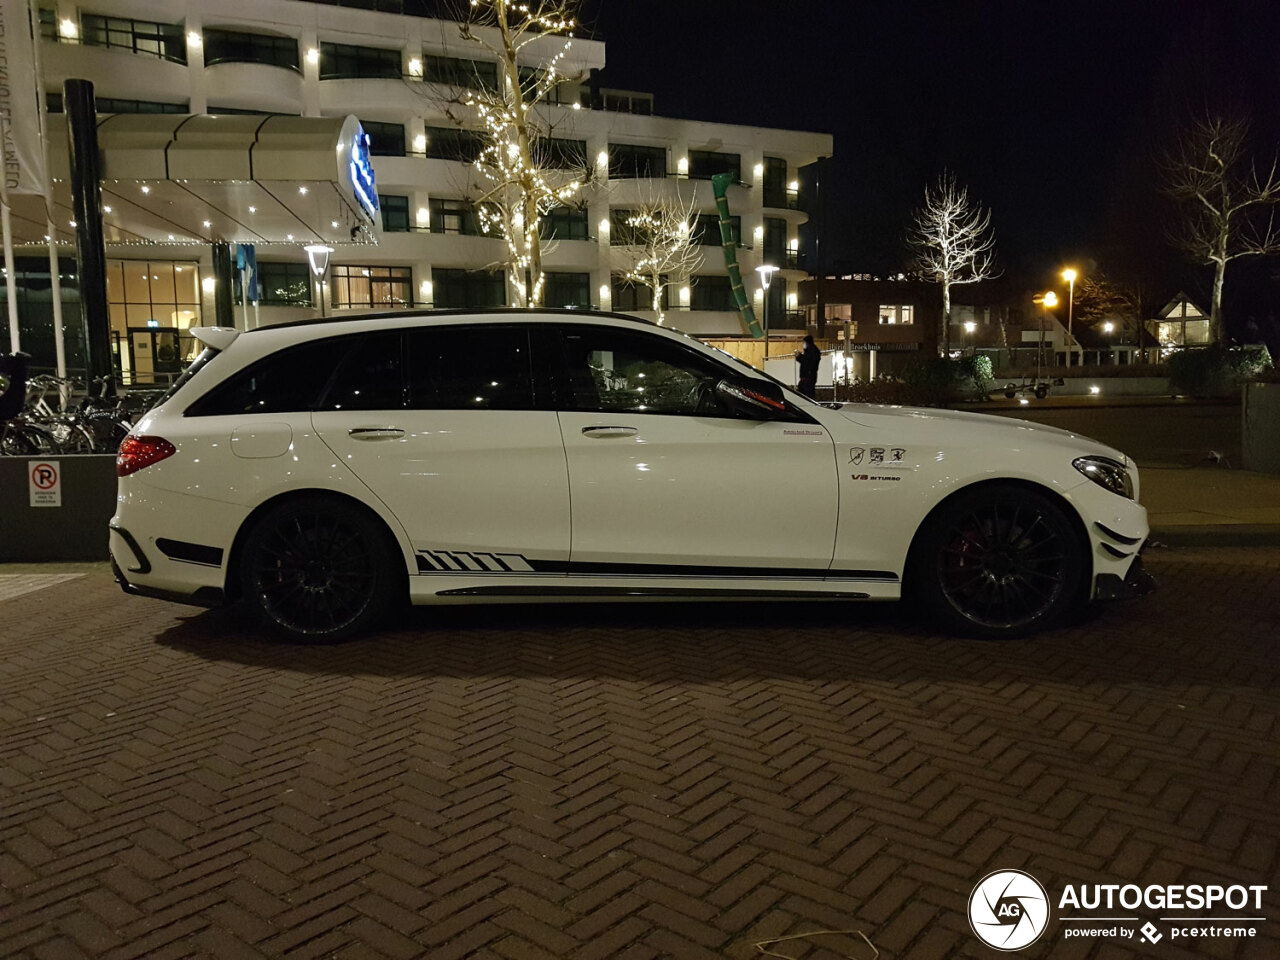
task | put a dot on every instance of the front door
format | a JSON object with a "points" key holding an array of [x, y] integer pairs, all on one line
{"points": [[666, 481]]}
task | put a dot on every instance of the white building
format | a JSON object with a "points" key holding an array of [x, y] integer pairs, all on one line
{"points": [[393, 72]]}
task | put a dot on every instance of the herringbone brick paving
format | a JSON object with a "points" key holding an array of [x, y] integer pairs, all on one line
{"points": [[624, 782]]}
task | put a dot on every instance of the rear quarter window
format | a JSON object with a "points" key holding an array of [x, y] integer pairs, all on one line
{"points": [[288, 381]]}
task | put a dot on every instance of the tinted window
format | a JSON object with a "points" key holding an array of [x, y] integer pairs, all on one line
{"points": [[288, 381], [613, 369], [470, 368], [370, 378]]}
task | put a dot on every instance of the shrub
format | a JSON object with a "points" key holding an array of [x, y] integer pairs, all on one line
{"points": [[933, 382], [1215, 371]]}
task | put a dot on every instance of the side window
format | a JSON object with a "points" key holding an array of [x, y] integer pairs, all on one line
{"points": [[470, 368], [612, 369], [288, 381], [370, 377]]}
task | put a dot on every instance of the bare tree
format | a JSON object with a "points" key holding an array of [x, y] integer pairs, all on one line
{"points": [[1226, 207], [661, 250], [952, 242], [529, 41]]}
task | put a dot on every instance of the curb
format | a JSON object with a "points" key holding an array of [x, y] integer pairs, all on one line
{"points": [[1218, 535]]}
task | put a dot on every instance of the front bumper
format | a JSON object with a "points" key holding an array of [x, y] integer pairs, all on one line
{"points": [[1136, 583]]}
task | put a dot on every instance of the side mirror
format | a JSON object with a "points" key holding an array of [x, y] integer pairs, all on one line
{"points": [[757, 399]]}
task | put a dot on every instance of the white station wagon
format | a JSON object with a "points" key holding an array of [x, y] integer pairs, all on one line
{"points": [[323, 472]]}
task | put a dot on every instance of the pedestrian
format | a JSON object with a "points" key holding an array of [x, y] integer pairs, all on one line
{"points": [[809, 359]]}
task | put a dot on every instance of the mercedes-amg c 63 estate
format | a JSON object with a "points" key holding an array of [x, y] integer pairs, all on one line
{"points": [[323, 472]]}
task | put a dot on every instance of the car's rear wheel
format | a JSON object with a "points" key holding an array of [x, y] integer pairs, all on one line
{"points": [[316, 568], [998, 561]]}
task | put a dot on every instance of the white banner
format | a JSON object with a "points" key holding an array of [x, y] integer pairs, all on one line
{"points": [[19, 103]]}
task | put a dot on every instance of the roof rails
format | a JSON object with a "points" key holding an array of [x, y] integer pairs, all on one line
{"points": [[461, 312]]}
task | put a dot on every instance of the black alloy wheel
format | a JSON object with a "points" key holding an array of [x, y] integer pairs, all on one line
{"points": [[999, 562], [317, 568]]}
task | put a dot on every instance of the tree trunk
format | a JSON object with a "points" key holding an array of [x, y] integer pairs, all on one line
{"points": [[1215, 306], [946, 318]]}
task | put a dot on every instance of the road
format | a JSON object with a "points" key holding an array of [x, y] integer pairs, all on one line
{"points": [[626, 782]]}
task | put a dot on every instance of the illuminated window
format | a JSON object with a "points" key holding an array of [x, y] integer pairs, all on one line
{"points": [[283, 284], [903, 314], [371, 286]]}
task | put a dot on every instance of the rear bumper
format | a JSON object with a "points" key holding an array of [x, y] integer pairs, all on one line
{"points": [[137, 563]]}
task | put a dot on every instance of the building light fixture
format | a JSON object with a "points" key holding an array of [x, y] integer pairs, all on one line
{"points": [[68, 29], [313, 55], [193, 39]]}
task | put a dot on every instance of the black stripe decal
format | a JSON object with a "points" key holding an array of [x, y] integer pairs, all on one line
{"points": [[487, 563]]}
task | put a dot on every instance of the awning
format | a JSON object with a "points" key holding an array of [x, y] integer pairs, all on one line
{"points": [[202, 179]]}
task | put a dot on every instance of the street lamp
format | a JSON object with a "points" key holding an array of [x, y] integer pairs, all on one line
{"points": [[969, 328], [1069, 275], [318, 255], [766, 272], [1046, 301]]}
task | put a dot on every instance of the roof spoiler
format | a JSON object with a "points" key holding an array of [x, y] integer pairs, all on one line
{"points": [[217, 338]]}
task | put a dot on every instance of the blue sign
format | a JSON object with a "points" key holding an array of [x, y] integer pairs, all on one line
{"points": [[362, 174]]}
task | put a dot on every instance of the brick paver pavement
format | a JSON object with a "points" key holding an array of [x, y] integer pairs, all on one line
{"points": [[629, 782]]}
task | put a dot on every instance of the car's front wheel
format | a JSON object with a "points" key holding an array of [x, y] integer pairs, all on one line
{"points": [[998, 561], [316, 568]]}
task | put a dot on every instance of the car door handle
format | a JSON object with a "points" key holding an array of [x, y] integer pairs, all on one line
{"points": [[604, 432], [375, 433]]}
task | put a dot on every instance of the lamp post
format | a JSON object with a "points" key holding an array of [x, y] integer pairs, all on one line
{"points": [[766, 272], [318, 256], [1046, 301], [1069, 275], [969, 328]]}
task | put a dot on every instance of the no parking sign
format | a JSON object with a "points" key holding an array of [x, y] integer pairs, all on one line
{"points": [[45, 483]]}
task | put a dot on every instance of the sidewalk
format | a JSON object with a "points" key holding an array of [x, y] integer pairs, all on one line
{"points": [[1231, 507]]}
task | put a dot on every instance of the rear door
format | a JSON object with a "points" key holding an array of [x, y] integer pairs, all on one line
{"points": [[444, 424]]}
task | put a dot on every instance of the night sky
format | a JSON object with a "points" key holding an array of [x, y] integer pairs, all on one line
{"points": [[1050, 113]]}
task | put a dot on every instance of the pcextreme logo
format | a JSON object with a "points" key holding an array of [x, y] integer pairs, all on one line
{"points": [[1010, 909]]}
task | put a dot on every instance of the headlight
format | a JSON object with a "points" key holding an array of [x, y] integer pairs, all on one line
{"points": [[1106, 472]]}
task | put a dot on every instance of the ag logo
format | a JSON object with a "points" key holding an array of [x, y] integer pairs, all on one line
{"points": [[1008, 910]]}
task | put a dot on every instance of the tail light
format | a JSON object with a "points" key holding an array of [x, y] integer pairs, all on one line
{"points": [[138, 452]]}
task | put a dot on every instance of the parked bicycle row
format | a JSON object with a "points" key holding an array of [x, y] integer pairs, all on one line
{"points": [[45, 415]]}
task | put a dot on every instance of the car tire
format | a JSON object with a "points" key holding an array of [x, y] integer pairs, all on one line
{"points": [[317, 569], [998, 561]]}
